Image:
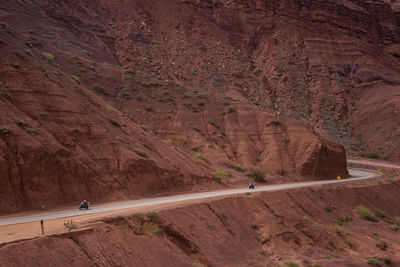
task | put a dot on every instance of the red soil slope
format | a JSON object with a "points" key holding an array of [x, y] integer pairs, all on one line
{"points": [[264, 229], [331, 64], [60, 141], [97, 104]]}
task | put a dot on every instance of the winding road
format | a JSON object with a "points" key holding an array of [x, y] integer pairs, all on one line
{"points": [[378, 164], [356, 175]]}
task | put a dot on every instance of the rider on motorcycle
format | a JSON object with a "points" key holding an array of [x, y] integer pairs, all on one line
{"points": [[251, 185], [84, 205]]}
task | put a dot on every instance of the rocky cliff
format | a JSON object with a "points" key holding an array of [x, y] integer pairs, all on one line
{"points": [[112, 99], [330, 64]]}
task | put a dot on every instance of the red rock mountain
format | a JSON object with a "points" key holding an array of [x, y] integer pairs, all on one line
{"points": [[110, 99]]}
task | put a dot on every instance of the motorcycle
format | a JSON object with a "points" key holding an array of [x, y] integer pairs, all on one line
{"points": [[251, 186], [84, 205]]}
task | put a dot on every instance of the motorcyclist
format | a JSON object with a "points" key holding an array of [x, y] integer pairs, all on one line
{"points": [[251, 185], [84, 205]]}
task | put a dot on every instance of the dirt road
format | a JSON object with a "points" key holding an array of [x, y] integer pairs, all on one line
{"points": [[356, 175]]}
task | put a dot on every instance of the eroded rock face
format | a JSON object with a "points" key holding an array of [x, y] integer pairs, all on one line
{"points": [[280, 145], [331, 64], [106, 103], [64, 143]]}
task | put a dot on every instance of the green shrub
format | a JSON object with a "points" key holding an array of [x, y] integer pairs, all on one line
{"points": [[247, 193], [386, 260], [196, 148], [328, 208], [344, 218], [234, 166], [197, 130], [31, 131], [370, 155], [342, 230], [382, 245], [70, 225], [128, 70], [286, 140], [139, 217], [374, 261], [365, 213], [5, 130], [125, 94], [15, 64], [380, 214], [291, 264], [114, 122], [218, 175], [201, 156], [20, 123], [391, 176], [47, 56], [374, 232], [149, 228], [113, 79], [149, 108], [144, 127], [81, 70], [152, 214], [276, 123], [181, 139], [230, 110], [140, 153], [154, 229], [254, 226], [75, 78], [256, 174], [397, 220], [394, 227], [212, 122], [7, 94], [100, 90]]}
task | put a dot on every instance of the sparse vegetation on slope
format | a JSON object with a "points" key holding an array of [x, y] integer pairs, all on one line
{"points": [[219, 175], [256, 174], [365, 213]]}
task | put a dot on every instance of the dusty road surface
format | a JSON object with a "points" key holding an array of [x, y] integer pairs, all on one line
{"points": [[15, 219], [26, 225], [378, 164]]}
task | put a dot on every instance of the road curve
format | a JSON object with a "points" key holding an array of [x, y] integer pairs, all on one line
{"points": [[357, 175], [373, 163]]}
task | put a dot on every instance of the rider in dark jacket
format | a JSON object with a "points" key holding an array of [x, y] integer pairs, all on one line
{"points": [[251, 185], [84, 205]]}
